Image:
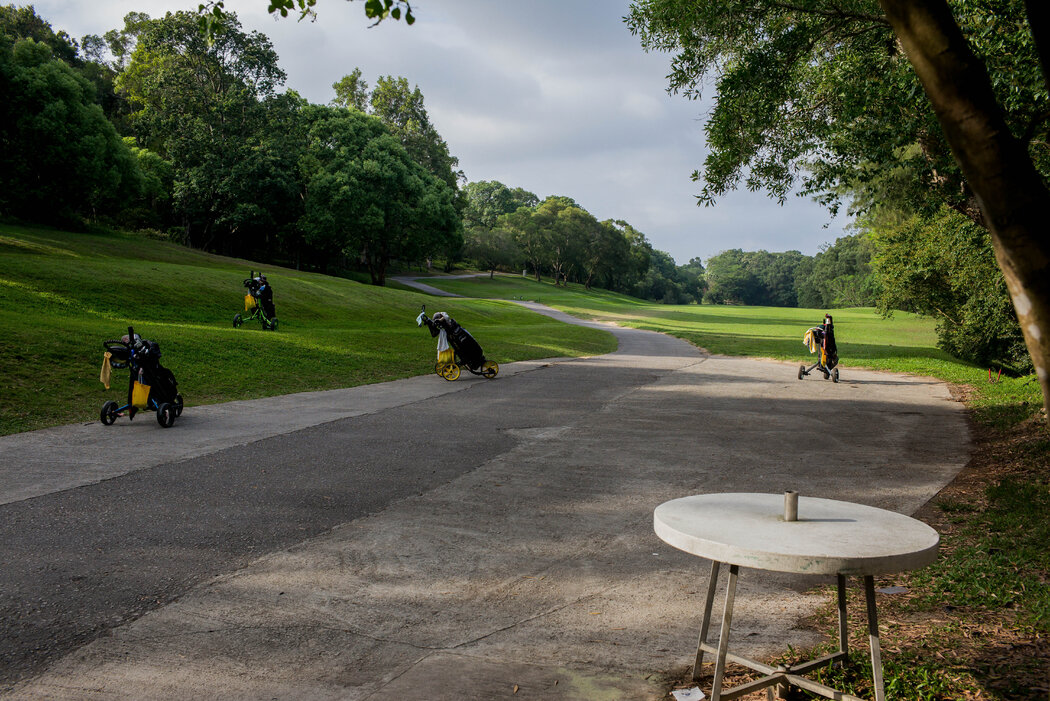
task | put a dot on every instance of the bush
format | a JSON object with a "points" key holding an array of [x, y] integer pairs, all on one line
{"points": [[944, 267]]}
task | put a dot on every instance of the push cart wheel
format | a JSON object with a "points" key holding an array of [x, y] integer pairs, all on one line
{"points": [[439, 368], [273, 324], [801, 371], [166, 415], [827, 374], [109, 413], [178, 405], [237, 320], [489, 369], [451, 372], [835, 375]]}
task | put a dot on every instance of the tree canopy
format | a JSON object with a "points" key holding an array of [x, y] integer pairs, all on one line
{"points": [[62, 159], [817, 95], [913, 104]]}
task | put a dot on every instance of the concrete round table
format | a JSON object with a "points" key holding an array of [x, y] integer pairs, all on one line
{"points": [[828, 537]]}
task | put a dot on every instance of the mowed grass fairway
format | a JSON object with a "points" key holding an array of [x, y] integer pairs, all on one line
{"points": [[902, 343], [62, 294]]}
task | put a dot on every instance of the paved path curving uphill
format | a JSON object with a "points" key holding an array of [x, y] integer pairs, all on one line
{"points": [[430, 289], [424, 539]]}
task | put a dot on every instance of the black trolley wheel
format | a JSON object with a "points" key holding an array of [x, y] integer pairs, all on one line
{"points": [[178, 405], [108, 414], [237, 320], [166, 415], [801, 371], [835, 375]]}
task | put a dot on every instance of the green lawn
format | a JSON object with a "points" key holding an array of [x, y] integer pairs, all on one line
{"points": [[901, 343], [62, 294]]}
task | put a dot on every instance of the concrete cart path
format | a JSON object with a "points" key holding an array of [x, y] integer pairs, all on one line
{"points": [[52, 459], [537, 574], [413, 281]]}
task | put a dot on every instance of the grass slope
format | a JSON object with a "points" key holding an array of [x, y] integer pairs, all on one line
{"points": [[62, 294], [901, 343]]}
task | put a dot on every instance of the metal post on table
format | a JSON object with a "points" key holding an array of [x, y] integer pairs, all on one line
{"points": [[705, 622], [873, 639], [723, 634]]}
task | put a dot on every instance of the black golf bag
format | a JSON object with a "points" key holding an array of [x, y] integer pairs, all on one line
{"points": [[822, 338], [461, 348], [150, 385]]}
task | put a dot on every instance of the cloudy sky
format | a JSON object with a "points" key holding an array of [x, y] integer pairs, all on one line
{"points": [[554, 96]]}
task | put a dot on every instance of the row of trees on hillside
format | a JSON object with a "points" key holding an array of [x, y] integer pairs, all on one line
{"points": [[510, 228], [157, 126], [153, 126]]}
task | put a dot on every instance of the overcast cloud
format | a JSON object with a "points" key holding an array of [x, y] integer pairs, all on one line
{"points": [[554, 96]]}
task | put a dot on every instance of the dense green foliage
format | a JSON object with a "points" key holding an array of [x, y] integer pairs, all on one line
{"points": [[367, 194], [510, 229], [839, 276], [820, 91], [64, 293], [486, 201], [61, 159], [944, 267], [215, 155]]}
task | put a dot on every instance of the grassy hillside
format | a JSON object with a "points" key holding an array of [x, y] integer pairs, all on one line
{"points": [[902, 343], [62, 294]]}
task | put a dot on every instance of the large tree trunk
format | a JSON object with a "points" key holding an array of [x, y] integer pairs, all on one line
{"points": [[998, 169]]}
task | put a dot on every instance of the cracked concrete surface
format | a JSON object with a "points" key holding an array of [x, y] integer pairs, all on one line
{"points": [[539, 568]]}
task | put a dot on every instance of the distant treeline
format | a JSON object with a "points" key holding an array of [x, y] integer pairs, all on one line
{"points": [[511, 229], [940, 265]]}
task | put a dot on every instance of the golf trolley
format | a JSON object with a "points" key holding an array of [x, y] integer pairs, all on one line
{"points": [[456, 348], [150, 386], [822, 338], [258, 303]]}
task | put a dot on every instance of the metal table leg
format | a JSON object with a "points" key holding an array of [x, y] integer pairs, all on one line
{"points": [[843, 630], [873, 639], [705, 622], [779, 678], [723, 634]]}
